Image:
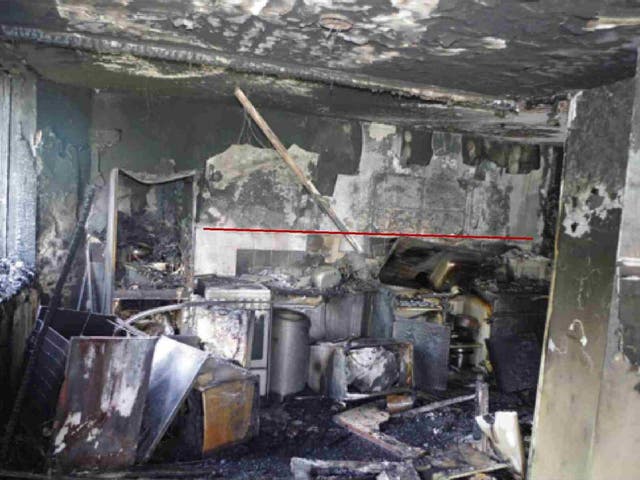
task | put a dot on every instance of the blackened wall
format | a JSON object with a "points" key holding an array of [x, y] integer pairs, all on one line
{"points": [[191, 130], [379, 177], [64, 160]]}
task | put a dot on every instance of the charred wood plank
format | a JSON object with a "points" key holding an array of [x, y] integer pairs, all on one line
{"points": [[365, 422]]}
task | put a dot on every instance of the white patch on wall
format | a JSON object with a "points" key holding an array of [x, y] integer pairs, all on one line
{"points": [[379, 131], [253, 7], [573, 108], [591, 203], [118, 394], [364, 55]]}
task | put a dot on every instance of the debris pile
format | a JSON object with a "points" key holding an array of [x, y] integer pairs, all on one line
{"points": [[149, 252]]}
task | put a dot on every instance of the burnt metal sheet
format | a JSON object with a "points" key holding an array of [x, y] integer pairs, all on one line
{"points": [[101, 402], [430, 351], [174, 370], [44, 387]]}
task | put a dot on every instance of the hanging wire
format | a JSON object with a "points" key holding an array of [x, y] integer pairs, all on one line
{"points": [[256, 137], [244, 126], [248, 134]]}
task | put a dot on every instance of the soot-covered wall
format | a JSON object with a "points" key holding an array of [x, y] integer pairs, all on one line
{"points": [[377, 177], [63, 162]]}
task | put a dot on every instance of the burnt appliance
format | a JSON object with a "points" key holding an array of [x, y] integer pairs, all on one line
{"points": [[220, 411], [239, 328], [361, 368], [334, 318], [148, 252]]}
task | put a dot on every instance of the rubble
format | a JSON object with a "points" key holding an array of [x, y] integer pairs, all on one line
{"points": [[503, 431], [365, 421], [150, 252], [211, 405], [306, 469]]}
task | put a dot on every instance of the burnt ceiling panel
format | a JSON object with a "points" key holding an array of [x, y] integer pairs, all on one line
{"points": [[493, 47]]}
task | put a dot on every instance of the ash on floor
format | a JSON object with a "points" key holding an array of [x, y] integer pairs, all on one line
{"points": [[435, 430], [296, 428], [305, 428]]}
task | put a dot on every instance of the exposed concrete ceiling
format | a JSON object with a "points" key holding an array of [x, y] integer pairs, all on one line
{"points": [[495, 47]]}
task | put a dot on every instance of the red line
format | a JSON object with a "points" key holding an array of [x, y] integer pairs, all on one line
{"points": [[366, 234]]}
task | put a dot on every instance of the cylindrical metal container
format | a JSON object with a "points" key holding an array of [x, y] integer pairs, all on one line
{"points": [[289, 351]]}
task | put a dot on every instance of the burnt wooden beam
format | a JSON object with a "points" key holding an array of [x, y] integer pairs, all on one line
{"points": [[297, 171]]}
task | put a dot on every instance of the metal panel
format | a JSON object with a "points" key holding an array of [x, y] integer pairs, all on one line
{"points": [[100, 408], [430, 349], [174, 370], [344, 316], [618, 421]]}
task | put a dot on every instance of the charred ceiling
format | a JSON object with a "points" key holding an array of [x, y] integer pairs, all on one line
{"points": [[532, 122], [494, 67], [494, 47]]}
